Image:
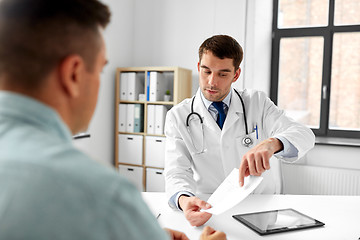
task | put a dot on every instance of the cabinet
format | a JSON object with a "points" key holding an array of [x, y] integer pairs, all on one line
{"points": [[140, 108]]}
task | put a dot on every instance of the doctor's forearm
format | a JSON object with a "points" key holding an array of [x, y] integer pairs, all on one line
{"points": [[275, 144]]}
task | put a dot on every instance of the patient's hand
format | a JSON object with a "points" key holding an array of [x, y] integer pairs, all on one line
{"points": [[210, 234], [176, 235]]}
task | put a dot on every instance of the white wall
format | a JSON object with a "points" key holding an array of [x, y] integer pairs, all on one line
{"points": [[169, 33], [258, 45], [333, 156]]}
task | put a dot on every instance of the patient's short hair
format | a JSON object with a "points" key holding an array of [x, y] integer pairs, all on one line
{"points": [[36, 35]]}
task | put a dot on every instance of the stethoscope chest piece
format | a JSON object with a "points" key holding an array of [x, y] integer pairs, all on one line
{"points": [[247, 141]]}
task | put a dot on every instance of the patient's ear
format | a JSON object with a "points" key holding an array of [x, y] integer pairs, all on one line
{"points": [[70, 74]]}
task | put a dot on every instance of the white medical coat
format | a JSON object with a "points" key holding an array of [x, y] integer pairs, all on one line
{"points": [[188, 170]]}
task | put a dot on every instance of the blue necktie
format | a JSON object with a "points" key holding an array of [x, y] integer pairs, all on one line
{"points": [[221, 116]]}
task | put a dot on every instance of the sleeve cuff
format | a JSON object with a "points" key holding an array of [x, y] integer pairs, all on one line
{"points": [[174, 200], [289, 151]]}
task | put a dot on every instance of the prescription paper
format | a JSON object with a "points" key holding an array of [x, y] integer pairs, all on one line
{"points": [[229, 193]]}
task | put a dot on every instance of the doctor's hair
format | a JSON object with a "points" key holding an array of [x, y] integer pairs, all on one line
{"points": [[223, 46], [37, 35]]}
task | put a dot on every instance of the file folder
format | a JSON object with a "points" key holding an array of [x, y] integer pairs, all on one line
{"points": [[130, 118], [157, 86], [160, 114], [135, 85], [122, 117], [138, 118], [123, 86], [151, 119], [148, 86]]}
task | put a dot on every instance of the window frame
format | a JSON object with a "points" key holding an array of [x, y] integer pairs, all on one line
{"points": [[327, 32]]}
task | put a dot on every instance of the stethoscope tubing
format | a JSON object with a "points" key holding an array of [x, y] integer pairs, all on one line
{"points": [[192, 112], [243, 106], [201, 120]]}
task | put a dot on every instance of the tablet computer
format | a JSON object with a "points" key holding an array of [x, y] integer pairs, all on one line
{"points": [[276, 221]]}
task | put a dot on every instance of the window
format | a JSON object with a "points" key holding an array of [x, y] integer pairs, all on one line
{"points": [[316, 64]]}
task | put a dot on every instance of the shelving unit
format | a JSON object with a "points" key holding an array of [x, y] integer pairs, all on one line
{"points": [[179, 82]]}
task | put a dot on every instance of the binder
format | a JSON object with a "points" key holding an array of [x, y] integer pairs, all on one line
{"points": [[150, 119], [130, 118], [135, 85], [138, 118], [123, 86], [122, 117], [148, 86], [157, 86], [160, 114]]}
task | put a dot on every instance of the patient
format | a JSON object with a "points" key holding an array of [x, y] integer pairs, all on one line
{"points": [[51, 57]]}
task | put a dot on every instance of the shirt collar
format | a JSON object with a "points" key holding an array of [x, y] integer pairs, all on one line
{"points": [[208, 103], [34, 112]]}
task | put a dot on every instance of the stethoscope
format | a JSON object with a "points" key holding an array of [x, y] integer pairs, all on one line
{"points": [[246, 141]]}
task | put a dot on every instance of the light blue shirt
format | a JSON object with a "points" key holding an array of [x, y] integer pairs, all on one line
{"points": [[50, 190], [289, 150]]}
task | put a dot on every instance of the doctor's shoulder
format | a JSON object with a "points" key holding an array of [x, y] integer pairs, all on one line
{"points": [[177, 114], [181, 108], [254, 96]]}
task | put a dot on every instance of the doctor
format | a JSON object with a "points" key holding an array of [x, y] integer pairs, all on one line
{"points": [[222, 128]]}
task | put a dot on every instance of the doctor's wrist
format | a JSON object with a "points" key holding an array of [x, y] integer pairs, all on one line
{"points": [[181, 197], [277, 145]]}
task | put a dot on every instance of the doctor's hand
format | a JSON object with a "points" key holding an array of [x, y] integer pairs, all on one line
{"points": [[210, 234], [191, 207], [176, 235], [256, 160]]}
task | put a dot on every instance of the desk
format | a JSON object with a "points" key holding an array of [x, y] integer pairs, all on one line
{"points": [[341, 215]]}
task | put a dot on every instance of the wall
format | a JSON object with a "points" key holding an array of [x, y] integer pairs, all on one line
{"points": [[333, 156], [170, 32], [258, 45]]}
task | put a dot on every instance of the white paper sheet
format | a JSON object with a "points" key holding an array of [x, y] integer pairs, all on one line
{"points": [[229, 193]]}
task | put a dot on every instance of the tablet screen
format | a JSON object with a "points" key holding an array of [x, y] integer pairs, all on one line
{"points": [[277, 221]]}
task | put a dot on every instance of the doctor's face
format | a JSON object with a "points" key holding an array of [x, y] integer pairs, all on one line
{"points": [[216, 76]]}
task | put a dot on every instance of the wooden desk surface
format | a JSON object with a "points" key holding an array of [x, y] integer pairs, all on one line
{"points": [[341, 215]]}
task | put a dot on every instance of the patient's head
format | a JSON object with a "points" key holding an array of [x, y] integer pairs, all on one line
{"points": [[53, 51], [35, 35]]}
